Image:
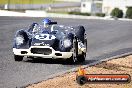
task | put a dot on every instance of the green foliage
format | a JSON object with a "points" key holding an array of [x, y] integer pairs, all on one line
{"points": [[116, 12], [129, 13], [79, 13], [87, 14], [100, 14]]}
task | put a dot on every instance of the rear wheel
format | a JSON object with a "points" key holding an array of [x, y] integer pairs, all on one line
{"points": [[18, 58], [81, 58], [85, 43]]}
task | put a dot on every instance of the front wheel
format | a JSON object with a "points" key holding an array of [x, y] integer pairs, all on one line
{"points": [[18, 58], [81, 58], [73, 59]]}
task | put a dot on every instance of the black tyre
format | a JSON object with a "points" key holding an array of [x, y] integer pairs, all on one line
{"points": [[81, 80], [18, 58], [85, 43], [81, 58]]}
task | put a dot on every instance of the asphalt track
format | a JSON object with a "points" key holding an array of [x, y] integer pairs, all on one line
{"points": [[105, 39]]}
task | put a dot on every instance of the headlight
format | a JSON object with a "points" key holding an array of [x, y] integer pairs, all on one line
{"points": [[67, 43], [19, 40]]}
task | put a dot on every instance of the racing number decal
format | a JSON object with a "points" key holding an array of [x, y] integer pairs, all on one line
{"points": [[45, 37]]}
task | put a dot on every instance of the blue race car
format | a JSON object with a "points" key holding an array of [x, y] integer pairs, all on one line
{"points": [[51, 41]]}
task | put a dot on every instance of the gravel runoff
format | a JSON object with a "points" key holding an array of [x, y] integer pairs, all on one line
{"points": [[116, 66]]}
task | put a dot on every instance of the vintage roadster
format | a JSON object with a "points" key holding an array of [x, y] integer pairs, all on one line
{"points": [[59, 41]]}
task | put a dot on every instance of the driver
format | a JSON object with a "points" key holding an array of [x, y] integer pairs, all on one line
{"points": [[46, 24]]}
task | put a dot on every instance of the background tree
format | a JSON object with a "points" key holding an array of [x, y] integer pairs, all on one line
{"points": [[129, 13], [116, 12]]}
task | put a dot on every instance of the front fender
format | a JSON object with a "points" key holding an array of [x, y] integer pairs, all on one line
{"points": [[25, 35]]}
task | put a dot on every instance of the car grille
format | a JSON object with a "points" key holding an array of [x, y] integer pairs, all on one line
{"points": [[45, 51]]}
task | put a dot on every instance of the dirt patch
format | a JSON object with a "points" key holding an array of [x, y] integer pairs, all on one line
{"points": [[116, 66]]}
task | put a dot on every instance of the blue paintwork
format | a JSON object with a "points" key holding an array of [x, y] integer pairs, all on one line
{"points": [[56, 43]]}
